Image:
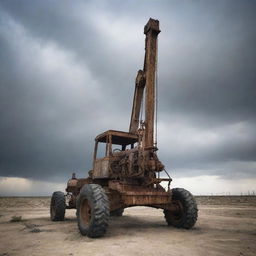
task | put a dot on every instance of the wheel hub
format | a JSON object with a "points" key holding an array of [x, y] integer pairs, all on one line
{"points": [[85, 212]]}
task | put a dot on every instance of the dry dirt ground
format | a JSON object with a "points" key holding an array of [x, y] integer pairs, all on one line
{"points": [[226, 226]]}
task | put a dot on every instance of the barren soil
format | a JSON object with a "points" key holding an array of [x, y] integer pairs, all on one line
{"points": [[226, 226]]}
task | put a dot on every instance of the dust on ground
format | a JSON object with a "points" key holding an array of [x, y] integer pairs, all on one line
{"points": [[226, 226]]}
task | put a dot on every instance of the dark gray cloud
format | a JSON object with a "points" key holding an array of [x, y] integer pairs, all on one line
{"points": [[67, 73]]}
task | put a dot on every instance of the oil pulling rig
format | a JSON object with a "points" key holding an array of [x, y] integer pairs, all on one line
{"points": [[129, 172]]}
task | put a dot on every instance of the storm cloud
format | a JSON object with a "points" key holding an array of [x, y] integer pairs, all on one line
{"points": [[67, 73]]}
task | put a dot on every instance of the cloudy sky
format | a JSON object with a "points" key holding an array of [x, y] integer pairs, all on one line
{"points": [[67, 73]]}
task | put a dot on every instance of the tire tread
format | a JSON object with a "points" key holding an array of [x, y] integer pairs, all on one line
{"points": [[100, 204], [189, 204], [58, 198]]}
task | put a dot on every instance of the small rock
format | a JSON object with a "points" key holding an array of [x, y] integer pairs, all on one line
{"points": [[35, 230], [16, 218], [30, 225]]}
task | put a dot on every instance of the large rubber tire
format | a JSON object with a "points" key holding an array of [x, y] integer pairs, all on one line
{"points": [[187, 216], [117, 213], [58, 206], [92, 211]]}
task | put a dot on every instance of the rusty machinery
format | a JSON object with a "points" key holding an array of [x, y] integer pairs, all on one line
{"points": [[128, 173]]}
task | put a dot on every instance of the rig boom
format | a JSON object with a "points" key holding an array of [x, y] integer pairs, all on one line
{"points": [[146, 79]]}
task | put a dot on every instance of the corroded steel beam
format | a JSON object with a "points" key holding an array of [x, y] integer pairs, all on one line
{"points": [[151, 30]]}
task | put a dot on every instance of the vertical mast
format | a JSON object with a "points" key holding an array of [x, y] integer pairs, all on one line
{"points": [[146, 79], [151, 30]]}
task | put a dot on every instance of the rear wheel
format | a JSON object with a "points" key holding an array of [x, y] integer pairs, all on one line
{"points": [[58, 206], [92, 211], [117, 213], [186, 217]]}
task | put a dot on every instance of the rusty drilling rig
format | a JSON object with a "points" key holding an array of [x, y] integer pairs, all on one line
{"points": [[128, 174]]}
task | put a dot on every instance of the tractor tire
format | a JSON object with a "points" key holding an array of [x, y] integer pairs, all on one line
{"points": [[92, 211], [187, 216], [58, 206], [117, 213]]}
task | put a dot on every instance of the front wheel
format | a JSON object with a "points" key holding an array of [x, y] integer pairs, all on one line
{"points": [[186, 217], [92, 211]]}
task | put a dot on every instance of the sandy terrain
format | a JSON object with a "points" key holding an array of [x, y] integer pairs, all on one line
{"points": [[226, 226]]}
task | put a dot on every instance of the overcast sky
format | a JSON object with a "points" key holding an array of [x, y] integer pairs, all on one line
{"points": [[67, 72]]}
